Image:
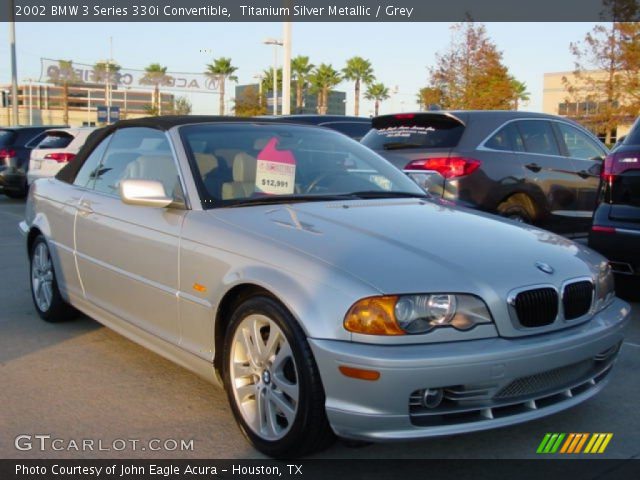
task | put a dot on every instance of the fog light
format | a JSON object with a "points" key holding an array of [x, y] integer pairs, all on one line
{"points": [[432, 397]]}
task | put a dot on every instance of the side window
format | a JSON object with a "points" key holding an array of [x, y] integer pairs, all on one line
{"points": [[538, 137], [578, 144], [508, 139], [88, 171], [34, 141], [138, 153]]}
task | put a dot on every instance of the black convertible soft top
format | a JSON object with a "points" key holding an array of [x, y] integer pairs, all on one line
{"points": [[69, 172]]}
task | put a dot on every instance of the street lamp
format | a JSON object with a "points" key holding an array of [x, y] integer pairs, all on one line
{"points": [[276, 43]]}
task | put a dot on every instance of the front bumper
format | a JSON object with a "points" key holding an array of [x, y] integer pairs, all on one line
{"points": [[549, 372]]}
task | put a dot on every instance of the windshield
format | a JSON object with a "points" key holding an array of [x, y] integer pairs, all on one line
{"points": [[259, 163], [396, 132]]}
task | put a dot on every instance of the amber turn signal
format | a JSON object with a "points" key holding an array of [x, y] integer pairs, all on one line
{"points": [[359, 373], [373, 316]]}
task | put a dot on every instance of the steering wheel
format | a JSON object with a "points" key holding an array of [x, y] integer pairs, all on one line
{"points": [[321, 178]]}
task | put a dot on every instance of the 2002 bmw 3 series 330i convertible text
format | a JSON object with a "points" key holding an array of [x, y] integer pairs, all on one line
{"points": [[318, 283]]}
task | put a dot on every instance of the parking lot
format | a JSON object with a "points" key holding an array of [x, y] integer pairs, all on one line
{"points": [[79, 380]]}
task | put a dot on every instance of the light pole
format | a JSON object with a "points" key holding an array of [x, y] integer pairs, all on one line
{"points": [[14, 67], [286, 69], [276, 44]]}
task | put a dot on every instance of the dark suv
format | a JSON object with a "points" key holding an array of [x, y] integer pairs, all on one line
{"points": [[16, 144], [616, 223], [354, 127], [531, 167]]}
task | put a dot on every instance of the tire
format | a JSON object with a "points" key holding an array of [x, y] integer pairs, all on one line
{"points": [[17, 195], [515, 211], [49, 304], [628, 287], [284, 384]]}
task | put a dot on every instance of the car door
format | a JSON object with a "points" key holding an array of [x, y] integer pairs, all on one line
{"points": [[587, 155], [552, 172], [127, 255]]}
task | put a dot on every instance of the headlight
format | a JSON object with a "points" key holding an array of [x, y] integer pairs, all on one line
{"points": [[605, 288], [415, 314]]}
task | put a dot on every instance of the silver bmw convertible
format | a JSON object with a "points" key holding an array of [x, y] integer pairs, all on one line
{"points": [[318, 284]]}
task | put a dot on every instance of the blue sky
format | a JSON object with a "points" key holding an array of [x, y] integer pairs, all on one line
{"points": [[400, 52]]}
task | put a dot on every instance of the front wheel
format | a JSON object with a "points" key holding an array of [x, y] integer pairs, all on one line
{"points": [[272, 381]]}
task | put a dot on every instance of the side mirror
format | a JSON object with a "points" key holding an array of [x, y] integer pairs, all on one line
{"points": [[146, 193]]}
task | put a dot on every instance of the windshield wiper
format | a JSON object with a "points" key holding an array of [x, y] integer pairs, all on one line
{"points": [[271, 199], [400, 145], [387, 194]]}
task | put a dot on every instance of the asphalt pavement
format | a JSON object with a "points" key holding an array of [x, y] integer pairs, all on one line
{"points": [[80, 381]]}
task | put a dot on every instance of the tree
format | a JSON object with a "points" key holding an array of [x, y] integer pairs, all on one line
{"points": [[267, 81], [520, 93], [606, 76], [105, 72], [378, 93], [221, 70], [301, 70], [322, 81], [181, 106], [249, 104], [470, 74], [358, 70], [156, 75], [63, 76], [430, 98]]}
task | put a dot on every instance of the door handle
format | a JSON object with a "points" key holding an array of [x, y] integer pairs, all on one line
{"points": [[584, 174], [84, 209], [534, 167]]}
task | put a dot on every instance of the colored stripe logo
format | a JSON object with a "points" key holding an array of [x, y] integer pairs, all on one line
{"points": [[574, 443]]}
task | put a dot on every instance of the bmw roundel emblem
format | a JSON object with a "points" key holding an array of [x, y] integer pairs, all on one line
{"points": [[544, 267]]}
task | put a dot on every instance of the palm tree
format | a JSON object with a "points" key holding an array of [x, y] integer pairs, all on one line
{"points": [[301, 70], [520, 93], [322, 80], [64, 75], [221, 70], [156, 75], [358, 70], [377, 92], [105, 72]]}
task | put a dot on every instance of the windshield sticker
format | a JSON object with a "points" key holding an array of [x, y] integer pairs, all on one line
{"points": [[276, 170], [393, 132]]}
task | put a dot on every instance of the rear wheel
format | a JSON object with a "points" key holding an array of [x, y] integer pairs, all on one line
{"points": [[44, 286], [517, 209], [272, 381]]}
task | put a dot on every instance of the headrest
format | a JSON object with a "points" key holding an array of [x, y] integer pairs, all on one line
{"points": [[206, 162], [260, 143], [244, 168]]}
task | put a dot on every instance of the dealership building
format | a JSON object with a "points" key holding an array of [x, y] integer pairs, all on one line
{"points": [[557, 100], [42, 104]]}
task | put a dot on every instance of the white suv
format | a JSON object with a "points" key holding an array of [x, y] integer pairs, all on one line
{"points": [[58, 147]]}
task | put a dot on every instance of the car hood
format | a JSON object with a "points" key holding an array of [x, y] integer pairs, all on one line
{"points": [[409, 245]]}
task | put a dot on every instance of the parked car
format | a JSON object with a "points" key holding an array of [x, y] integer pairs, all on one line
{"points": [[354, 127], [529, 167], [327, 300], [57, 148], [616, 223], [15, 147]]}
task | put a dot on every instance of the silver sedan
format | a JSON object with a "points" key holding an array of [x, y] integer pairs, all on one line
{"points": [[317, 283]]}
